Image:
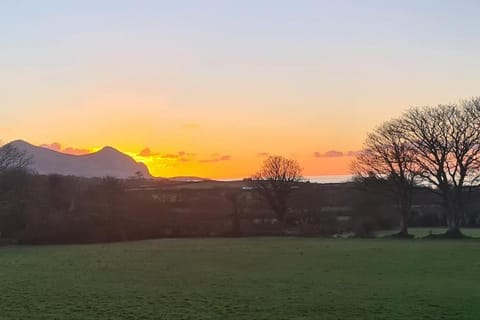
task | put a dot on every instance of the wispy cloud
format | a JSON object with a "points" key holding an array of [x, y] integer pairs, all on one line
{"points": [[180, 156], [353, 153], [147, 152], [335, 154], [56, 146], [170, 156], [76, 151], [263, 154], [52, 146], [215, 157], [328, 154], [180, 159]]}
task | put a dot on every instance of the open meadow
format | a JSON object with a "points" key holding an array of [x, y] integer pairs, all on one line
{"points": [[243, 278]]}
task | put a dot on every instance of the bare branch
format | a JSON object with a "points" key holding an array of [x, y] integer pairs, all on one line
{"points": [[275, 181], [12, 158]]}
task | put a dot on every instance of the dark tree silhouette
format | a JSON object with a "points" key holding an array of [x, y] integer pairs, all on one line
{"points": [[275, 181], [13, 189], [387, 156], [446, 142], [12, 158], [238, 201]]}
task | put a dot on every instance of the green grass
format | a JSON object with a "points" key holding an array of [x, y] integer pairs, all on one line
{"points": [[254, 278]]}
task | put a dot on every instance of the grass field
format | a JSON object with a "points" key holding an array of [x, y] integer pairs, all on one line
{"points": [[252, 278]]}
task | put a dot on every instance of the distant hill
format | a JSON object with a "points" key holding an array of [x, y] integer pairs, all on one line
{"points": [[105, 162]]}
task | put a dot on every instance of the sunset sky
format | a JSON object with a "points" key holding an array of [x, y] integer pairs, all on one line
{"points": [[209, 88]]}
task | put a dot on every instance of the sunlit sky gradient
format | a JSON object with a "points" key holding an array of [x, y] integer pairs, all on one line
{"points": [[207, 88]]}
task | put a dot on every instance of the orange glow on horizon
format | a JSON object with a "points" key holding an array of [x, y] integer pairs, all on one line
{"points": [[183, 164], [220, 166]]}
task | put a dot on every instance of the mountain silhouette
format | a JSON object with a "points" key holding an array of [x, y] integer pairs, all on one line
{"points": [[105, 162]]}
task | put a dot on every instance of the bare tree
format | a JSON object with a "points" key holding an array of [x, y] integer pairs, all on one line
{"points": [[446, 143], [12, 158], [275, 181], [387, 156], [13, 189]]}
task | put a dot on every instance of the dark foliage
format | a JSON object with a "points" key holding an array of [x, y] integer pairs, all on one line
{"points": [[61, 209]]}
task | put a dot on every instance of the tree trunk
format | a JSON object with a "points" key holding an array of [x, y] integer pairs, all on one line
{"points": [[453, 221], [235, 222], [403, 233], [405, 207], [282, 219], [403, 226], [453, 228]]}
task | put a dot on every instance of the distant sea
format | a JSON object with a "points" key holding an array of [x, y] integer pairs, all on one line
{"points": [[330, 179], [317, 179]]}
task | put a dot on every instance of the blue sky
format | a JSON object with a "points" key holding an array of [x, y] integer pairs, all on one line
{"points": [[273, 72]]}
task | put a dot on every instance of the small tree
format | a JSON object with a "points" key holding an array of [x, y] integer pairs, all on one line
{"points": [[275, 182], [12, 158], [13, 189], [389, 157]]}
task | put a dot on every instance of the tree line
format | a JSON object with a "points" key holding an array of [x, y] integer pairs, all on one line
{"points": [[437, 148], [426, 149]]}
